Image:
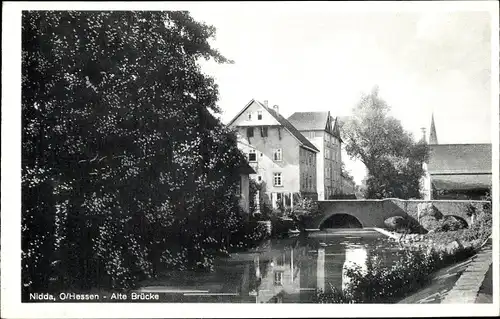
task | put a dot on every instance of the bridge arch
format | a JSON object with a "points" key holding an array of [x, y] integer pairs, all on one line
{"points": [[340, 220], [369, 213]]}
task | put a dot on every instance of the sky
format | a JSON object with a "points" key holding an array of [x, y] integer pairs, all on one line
{"points": [[423, 63]]}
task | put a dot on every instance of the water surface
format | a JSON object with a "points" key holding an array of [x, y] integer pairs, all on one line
{"points": [[280, 270]]}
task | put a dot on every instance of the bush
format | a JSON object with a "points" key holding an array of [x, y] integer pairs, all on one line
{"points": [[334, 296], [430, 223], [249, 234], [381, 283], [451, 223], [281, 226], [403, 224]]}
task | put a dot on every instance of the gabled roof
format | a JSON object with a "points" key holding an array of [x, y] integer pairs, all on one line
{"points": [[315, 121], [245, 168], [459, 159], [283, 122], [309, 121], [290, 128], [241, 112]]}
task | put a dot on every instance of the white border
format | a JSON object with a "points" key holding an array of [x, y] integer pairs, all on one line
{"points": [[11, 171]]}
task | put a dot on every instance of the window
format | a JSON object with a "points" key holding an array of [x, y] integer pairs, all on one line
{"points": [[259, 178], [277, 179], [279, 197], [240, 187], [278, 278], [252, 156], [280, 260], [277, 156], [310, 159], [327, 153], [250, 132], [263, 131], [249, 116], [259, 115]]}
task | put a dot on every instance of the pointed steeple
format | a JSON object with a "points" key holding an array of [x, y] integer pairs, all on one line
{"points": [[433, 136]]}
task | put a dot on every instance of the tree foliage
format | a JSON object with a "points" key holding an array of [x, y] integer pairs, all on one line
{"points": [[124, 167], [346, 173], [392, 157]]}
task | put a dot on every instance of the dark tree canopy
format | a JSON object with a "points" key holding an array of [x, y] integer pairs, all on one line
{"points": [[121, 155], [392, 157]]}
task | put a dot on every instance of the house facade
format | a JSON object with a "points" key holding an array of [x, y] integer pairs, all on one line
{"points": [[284, 160], [321, 129]]}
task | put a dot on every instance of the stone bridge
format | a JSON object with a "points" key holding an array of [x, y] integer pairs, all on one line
{"points": [[373, 212]]}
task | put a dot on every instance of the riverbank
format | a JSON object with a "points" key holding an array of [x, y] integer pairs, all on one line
{"points": [[469, 278], [467, 287], [464, 282]]}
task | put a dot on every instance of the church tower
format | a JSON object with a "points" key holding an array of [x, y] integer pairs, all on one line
{"points": [[433, 136]]}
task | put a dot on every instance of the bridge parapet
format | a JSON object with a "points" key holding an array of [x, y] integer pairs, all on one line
{"points": [[373, 212]]}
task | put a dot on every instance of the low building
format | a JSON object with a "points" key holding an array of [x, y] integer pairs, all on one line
{"points": [[457, 171], [284, 160]]}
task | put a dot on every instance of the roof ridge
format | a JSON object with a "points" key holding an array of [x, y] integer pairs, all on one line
{"points": [[311, 112], [289, 126]]}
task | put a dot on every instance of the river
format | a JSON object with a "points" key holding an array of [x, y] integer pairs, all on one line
{"points": [[280, 270]]}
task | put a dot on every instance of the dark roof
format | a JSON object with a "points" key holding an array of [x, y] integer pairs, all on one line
{"points": [[245, 168], [309, 121], [461, 182], [284, 122], [459, 158]]}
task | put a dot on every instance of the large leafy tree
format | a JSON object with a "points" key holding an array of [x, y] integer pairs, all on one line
{"points": [[124, 167], [393, 158]]}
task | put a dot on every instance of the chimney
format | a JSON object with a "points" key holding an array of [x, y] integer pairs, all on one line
{"points": [[276, 109], [266, 102]]}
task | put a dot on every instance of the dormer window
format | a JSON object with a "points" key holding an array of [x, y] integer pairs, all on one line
{"points": [[259, 115]]}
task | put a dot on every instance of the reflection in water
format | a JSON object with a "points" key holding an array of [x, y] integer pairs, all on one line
{"points": [[354, 256], [320, 272], [287, 270]]}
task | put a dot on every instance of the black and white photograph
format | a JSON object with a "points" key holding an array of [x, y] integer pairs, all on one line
{"points": [[195, 159]]}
